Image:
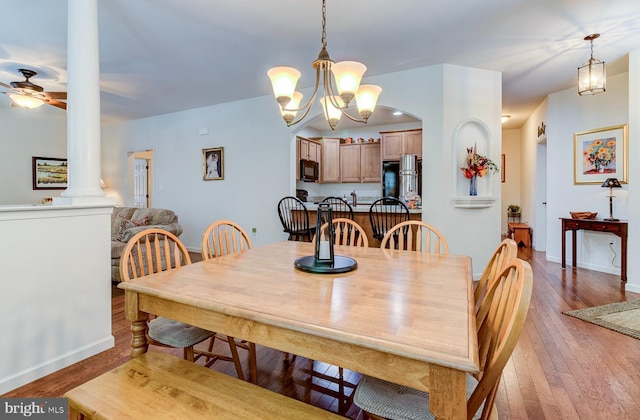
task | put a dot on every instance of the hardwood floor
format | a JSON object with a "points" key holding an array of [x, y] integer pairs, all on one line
{"points": [[562, 367]]}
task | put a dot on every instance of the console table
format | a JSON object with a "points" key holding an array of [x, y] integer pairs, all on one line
{"points": [[618, 228]]}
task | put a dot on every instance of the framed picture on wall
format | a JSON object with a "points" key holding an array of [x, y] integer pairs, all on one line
{"points": [[213, 164], [600, 154], [49, 173], [503, 169]]}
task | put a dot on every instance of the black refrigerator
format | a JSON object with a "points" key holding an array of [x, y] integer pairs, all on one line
{"points": [[391, 179]]}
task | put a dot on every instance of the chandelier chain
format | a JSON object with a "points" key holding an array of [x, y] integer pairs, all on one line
{"points": [[324, 23]]}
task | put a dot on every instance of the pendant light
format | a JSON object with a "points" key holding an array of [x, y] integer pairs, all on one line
{"points": [[336, 100], [592, 75]]}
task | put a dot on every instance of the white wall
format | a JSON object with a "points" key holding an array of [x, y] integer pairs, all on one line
{"points": [[259, 163], [25, 134], [511, 186], [569, 113], [56, 308]]}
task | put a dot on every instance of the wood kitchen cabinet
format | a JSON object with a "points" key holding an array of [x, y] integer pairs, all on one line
{"points": [[397, 143], [330, 167], [309, 150], [360, 163]]}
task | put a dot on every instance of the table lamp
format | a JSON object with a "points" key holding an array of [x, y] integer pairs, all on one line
{"points": [[611, 183]]}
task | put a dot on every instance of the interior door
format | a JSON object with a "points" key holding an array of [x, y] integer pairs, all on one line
{"points": [[540, 234], [141, 183]]}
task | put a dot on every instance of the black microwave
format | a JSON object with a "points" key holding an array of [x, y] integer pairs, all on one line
{"points": [[309, 170]]}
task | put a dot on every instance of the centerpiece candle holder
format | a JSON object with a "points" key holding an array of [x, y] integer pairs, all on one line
{"points": [[324, 259]]}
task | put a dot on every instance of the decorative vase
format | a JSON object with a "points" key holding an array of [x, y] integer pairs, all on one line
{"points": [[473, 185]]}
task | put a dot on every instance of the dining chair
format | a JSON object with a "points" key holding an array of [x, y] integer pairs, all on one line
{"points": [[507, 303], [385, 213], [504, 253], [154, 250], [339, 207], [295, 219], [415, 235], [224, 237], [347, 232]]}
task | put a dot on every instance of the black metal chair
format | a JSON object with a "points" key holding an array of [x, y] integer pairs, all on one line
{"points": [[385, 213], [339, 207], [295, 219]]}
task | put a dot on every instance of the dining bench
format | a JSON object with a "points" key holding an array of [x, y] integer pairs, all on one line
{"points": [[161, 386]]}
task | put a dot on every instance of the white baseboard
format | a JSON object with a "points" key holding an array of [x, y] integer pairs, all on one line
{"points": [[25, 376]]}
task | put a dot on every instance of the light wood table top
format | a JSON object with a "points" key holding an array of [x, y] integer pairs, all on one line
{"points": [[403, 316]]}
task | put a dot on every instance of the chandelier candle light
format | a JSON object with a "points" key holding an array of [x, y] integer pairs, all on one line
{"points": [[347, 76], [476, 166]]}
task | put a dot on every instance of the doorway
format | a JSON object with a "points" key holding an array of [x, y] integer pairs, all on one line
{"points": [[140, 191], [540, 237]]}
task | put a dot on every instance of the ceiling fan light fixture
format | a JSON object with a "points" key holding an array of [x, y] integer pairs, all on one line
{"points": [[25, 101], [592, 75], [335, 100]]}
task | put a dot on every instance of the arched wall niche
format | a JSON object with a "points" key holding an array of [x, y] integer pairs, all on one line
{"points": [[467, 134]]}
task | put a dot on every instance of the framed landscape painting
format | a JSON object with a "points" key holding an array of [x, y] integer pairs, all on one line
{"points": [[213, 164], [600, 154], [49, 173]]}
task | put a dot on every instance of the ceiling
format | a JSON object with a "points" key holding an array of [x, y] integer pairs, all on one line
{"points": [[163, 56]]}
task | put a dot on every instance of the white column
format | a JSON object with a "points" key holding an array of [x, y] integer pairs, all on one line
{"points": [[83, 104], [633, 264]]}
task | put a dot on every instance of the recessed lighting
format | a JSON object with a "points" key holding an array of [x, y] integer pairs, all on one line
{"points": [[505, 118], [397, 113]]}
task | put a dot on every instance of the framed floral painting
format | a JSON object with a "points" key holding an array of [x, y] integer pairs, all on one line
{"points": [[600, 154]]}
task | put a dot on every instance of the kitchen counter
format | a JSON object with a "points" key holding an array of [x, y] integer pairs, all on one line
{"points": [[361, 217], [360, 208]]}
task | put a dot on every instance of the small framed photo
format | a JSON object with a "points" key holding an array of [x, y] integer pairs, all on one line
{"points": [[213, 164], [49, 173], [600, 154]]}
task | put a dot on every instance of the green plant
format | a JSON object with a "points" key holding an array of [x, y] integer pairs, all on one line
{"points": [[513, 208]]}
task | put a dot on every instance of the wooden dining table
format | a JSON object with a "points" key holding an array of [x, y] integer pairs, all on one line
{"points": [[403, 316]]}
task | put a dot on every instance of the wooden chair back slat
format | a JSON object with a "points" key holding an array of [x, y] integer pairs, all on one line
{"points": [[507, 301], [224, 237], [294, 218], [385, 213], [151, 251], [339, 207], [347, 232], [415, 235], [504, 253]]}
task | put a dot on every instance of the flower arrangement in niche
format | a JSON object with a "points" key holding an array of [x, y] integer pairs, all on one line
{"points": [[476, 166], [600, 154]]}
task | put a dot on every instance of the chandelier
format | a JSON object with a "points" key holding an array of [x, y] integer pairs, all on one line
{"points": [[592, 75], [347, 76]]}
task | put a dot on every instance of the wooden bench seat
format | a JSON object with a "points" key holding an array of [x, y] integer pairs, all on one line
{"points": [[160, 386], [521, 233]]}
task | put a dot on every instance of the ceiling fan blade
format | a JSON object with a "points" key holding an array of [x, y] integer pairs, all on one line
{"points": [[6, 86], [56, 95], [54, 102]]}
